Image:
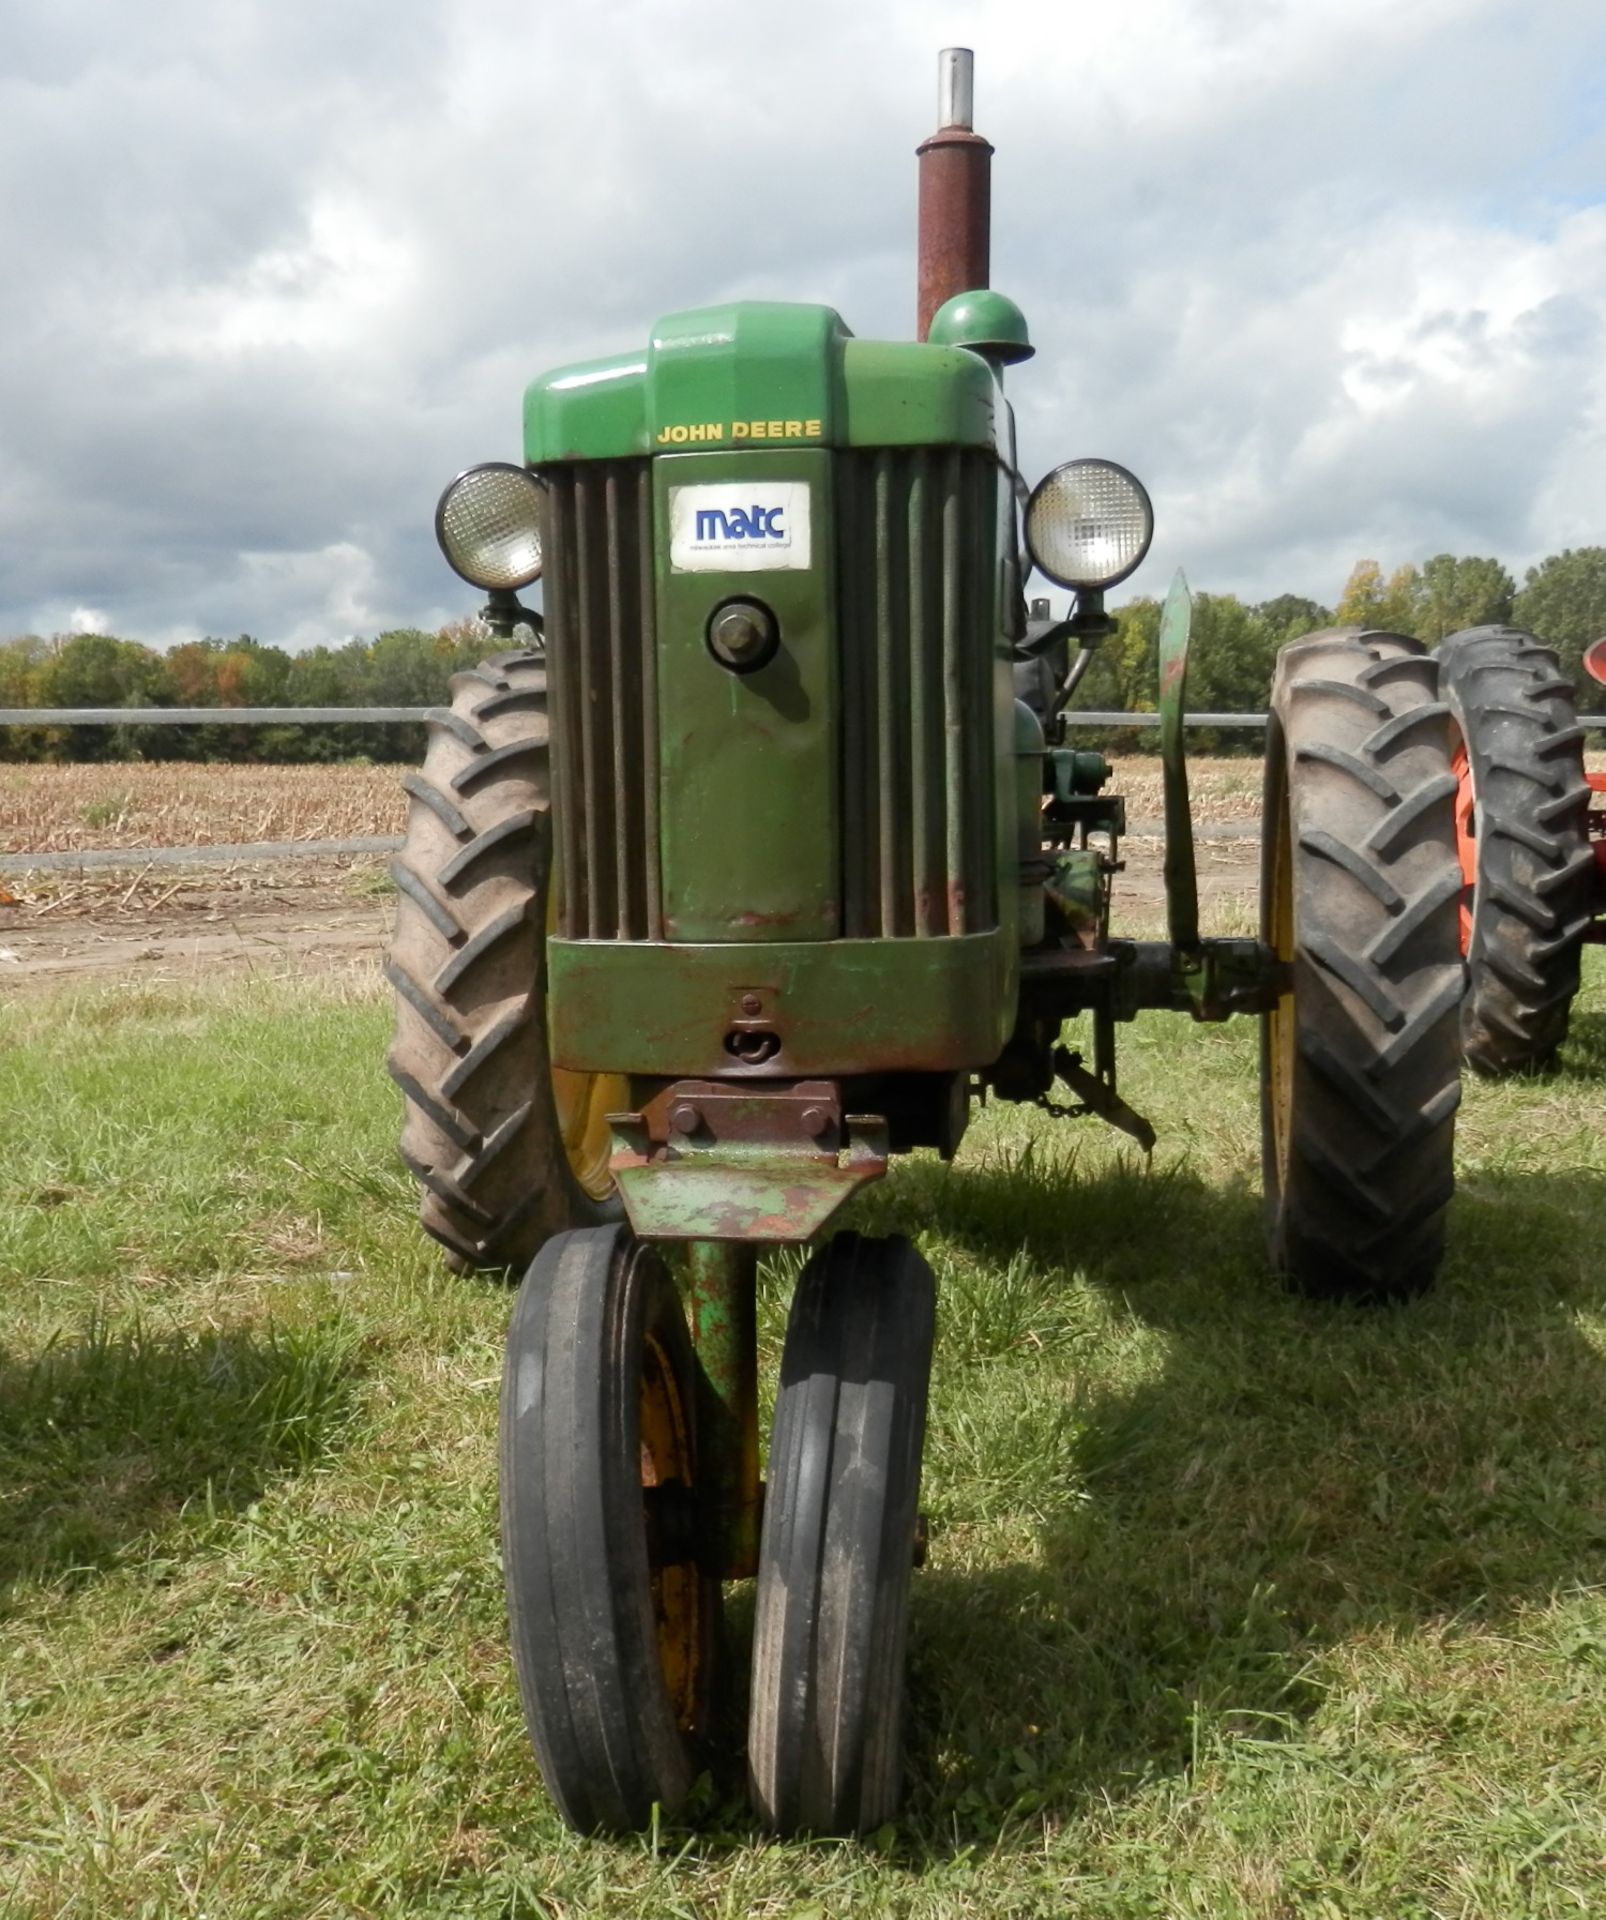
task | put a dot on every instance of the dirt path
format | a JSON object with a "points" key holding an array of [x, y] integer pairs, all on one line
{"points": [[128, 929], [320, 917]]}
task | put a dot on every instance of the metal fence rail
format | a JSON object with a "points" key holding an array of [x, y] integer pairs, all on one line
{"points": [[207, 716], [241, 853], [371, 716]]}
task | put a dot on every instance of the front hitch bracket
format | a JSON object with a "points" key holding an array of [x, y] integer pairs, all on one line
{"points": [[717, 1160]]}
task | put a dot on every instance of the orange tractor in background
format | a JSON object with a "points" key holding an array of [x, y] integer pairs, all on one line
{"points": [[1531, 831]]}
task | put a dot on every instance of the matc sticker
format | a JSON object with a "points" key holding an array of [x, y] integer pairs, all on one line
{"points": [[739, 528]]}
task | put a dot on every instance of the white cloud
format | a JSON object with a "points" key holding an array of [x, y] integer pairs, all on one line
{"points": [[331, 593], [1328, 274], [329, 292]]}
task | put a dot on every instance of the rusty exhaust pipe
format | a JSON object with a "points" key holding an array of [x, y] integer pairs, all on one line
{"points": [[955, 192]]}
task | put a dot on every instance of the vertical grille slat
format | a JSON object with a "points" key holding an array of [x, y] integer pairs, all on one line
{"points": [[647, 730], [926, 850], [915, 560], [624, 788], [954, 611], [892, 705], [558, 594], [861, 874], [601, 663], [594, 807], [978, 796]]}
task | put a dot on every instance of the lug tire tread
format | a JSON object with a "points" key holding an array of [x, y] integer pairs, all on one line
{"points": [[1532, 900], [1358, 1210], [480, 1132]]}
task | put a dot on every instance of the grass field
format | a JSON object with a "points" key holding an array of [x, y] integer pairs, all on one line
{"points": [[1235, 1606]]}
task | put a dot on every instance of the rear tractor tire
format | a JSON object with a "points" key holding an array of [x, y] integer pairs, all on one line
{"points": [[1526, 863], [506, 1149], [1360, 884]]}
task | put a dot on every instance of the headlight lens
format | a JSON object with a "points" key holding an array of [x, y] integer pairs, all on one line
{"points": [[488, 524], [1089, 524]]}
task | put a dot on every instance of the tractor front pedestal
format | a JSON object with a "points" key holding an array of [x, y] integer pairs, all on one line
{"points": [[720, 1291]]}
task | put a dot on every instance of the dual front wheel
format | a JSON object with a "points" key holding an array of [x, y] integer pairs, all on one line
{"points": [[611, 1548]]}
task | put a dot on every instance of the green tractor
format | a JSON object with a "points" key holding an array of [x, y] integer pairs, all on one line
{"points": [[765, 857]]}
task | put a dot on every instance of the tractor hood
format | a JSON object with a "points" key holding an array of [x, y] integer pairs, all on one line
{"points": [[759, 373]]}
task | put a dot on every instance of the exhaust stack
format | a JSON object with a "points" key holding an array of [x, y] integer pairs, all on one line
{"points": [[955, 192]]}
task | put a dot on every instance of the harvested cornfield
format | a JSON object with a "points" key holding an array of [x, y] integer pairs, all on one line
{"points": [[62, 809]]}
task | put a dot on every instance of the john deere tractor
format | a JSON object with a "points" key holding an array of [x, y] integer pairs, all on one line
{"points": [[763, 858]]}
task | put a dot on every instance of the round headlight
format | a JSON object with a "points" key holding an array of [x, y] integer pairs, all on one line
{"points": [[488, 524], [1089, 524]]}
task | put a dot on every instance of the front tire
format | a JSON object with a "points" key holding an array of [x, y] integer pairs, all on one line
{"points": [[825, 1734], [1526, 861], [613, 1621], [505, 1148], [1360, 1057]]}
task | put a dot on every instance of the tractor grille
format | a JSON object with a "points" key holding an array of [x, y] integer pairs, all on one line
{"points": [[915, 583], [915, 563], [602, 676]]}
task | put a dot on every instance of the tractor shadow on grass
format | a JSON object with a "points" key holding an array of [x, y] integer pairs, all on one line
{"points": [[1278, 1479], [1583, 1053], [109, 1438]]}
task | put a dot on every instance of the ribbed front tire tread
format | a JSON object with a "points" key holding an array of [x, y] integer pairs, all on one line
{"points": [[825, 1733], [574, 1544]]}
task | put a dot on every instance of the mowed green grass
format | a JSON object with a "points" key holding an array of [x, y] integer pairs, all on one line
{"points": [[1235, 1605]]}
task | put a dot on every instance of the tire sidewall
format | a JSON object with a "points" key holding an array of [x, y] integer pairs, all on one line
{"points": [[575, 1555]]}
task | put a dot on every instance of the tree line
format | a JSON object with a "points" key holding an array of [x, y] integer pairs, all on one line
{"points": [[403, 668], [1235, 644]]}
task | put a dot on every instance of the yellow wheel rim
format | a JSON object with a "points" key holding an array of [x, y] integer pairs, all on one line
{"points": [[1280, 1021], [677, 1587], [583, 1102]]}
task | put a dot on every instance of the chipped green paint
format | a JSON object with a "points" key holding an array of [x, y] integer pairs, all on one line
{"points": [[738, 1194], [721, 1285], [836, 1007], [747, 802]]}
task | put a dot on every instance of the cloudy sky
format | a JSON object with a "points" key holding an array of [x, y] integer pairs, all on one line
{"points": [[1329, 274]]}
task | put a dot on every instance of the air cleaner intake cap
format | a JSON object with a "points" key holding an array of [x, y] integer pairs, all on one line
{"points": [[988, 323]]}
